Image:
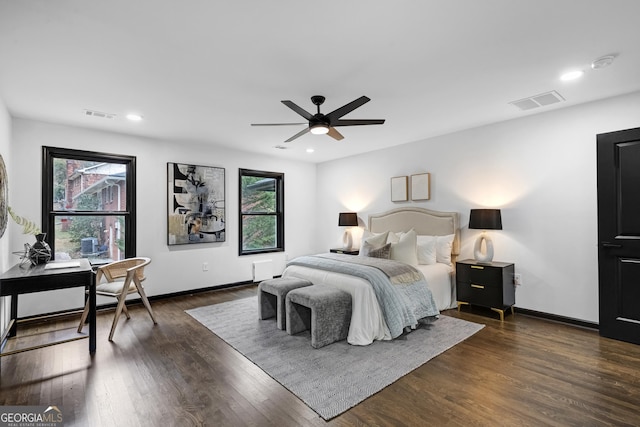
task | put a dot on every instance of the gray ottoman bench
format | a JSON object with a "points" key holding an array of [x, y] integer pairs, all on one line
{"points": [[271, 297], [326, 311]]}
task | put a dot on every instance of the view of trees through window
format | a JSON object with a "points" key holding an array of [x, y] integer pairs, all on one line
{"points": [[261, 211], [86, 204]]}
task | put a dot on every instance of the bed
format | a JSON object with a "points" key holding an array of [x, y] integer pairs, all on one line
{"points": [[438, 245]]}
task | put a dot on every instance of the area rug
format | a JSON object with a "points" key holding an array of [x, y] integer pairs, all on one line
{"points": [[334, 378]]}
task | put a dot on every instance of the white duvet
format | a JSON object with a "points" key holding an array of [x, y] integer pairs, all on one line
{"points": [[367, 321]]}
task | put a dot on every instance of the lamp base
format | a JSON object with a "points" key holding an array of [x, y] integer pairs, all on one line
{"points": [[487, 255], [347, 240]]}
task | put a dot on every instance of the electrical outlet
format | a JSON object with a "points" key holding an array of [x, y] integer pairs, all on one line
{"points": [[205, 266], [517, 279]]}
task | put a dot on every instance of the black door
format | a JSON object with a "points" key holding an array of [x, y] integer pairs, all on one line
{"points": [[619, 234]]}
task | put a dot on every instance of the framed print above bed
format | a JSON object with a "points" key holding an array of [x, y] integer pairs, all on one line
{"points": [[421, 186], [399, 189], [196, 212]]}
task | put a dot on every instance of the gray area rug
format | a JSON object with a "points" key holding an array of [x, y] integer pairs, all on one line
{"points": [[334, 378]]}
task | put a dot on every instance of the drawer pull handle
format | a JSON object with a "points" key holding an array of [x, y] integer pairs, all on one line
{"points": [[477, 267], [610, 245], [477, 286]]}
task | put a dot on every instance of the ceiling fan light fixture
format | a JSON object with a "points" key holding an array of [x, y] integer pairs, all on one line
{"points": [[319, 129], [325, 124]]}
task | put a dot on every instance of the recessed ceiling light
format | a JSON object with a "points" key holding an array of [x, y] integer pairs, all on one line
{"points": [[571, 75], [310, 150], [134, 117]]}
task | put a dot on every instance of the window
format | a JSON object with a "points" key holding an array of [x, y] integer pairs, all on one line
{"points": [[261, 212], [88, 204]]}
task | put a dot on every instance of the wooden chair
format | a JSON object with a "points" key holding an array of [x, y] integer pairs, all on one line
{"points": [[123, 277]]}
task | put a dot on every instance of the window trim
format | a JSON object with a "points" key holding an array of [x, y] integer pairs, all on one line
{"points": [[279, 214], [49, 214]]}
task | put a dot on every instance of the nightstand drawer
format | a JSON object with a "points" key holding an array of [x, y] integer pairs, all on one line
{"points": [[485, 275], [487, 296]]}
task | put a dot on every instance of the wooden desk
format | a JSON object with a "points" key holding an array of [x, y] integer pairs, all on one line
{"points": [[25, 279]]}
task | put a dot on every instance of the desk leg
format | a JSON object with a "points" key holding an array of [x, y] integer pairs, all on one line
{"points": [[92, 314], [14, 316]]}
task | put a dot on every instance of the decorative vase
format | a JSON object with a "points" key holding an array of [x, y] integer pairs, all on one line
{"points": [[39, 252]]}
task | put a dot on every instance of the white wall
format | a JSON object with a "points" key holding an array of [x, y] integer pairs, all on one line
{"points": [[540, 170], [175, 268]]}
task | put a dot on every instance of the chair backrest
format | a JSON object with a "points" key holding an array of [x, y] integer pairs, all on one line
{"points": [[120, 269]]}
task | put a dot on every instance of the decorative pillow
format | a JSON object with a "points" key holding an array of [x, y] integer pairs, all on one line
{"points": [[383, 252], [394, 237], [426, 248], [366, 248], [443, 248], [372, 241], [405, 249]]}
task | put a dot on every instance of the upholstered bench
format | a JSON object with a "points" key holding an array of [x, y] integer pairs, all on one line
{"points": [[271, 297], [326, 311]]}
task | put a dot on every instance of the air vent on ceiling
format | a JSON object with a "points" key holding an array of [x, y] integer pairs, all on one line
{"points": [[281, 147], [536, 101], [94, 113]]}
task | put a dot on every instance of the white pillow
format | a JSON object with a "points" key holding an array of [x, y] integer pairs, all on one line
{"points": [[405, 249], [394, 237], [426, 248], [372, 241], [443, 248]]}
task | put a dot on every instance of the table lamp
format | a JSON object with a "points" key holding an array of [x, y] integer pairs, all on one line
{"points": [[347, 219], [484, 219]]}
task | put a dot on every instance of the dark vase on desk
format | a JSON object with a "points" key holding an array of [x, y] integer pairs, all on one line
{"points": [[40, 252]]}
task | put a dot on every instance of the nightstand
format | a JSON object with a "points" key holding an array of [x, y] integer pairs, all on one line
{"points": [[486, 284], [345, 251]]}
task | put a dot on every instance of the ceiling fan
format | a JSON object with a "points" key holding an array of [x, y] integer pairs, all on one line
{"points": [[325, 123]]}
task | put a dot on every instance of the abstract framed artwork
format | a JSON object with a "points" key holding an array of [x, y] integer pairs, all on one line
{"points": [[399, 189], [421, 186], [196, 212]]}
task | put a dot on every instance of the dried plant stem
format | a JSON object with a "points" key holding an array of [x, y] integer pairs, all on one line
{"points": [[28, 227]]}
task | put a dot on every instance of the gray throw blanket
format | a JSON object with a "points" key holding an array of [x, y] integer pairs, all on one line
{"points": [[402, 304], [397, 272]]}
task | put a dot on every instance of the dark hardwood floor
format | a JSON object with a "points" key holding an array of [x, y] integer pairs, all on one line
{"points": [[523, 372]]}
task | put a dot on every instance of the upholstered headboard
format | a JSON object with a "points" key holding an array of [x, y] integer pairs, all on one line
{"points": [[423, 221]]}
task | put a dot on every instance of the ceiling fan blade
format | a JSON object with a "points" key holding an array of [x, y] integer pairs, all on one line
{"points": [[299, 134], [357, 122], [333, 133], [277, 124], [298, 110], [336, 114]]}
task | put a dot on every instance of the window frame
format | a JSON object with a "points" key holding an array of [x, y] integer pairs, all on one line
{"points": [[279, 213], [49, 214]]}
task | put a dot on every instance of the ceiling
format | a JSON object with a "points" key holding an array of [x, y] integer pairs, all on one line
{"points": [[201, 71]]}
